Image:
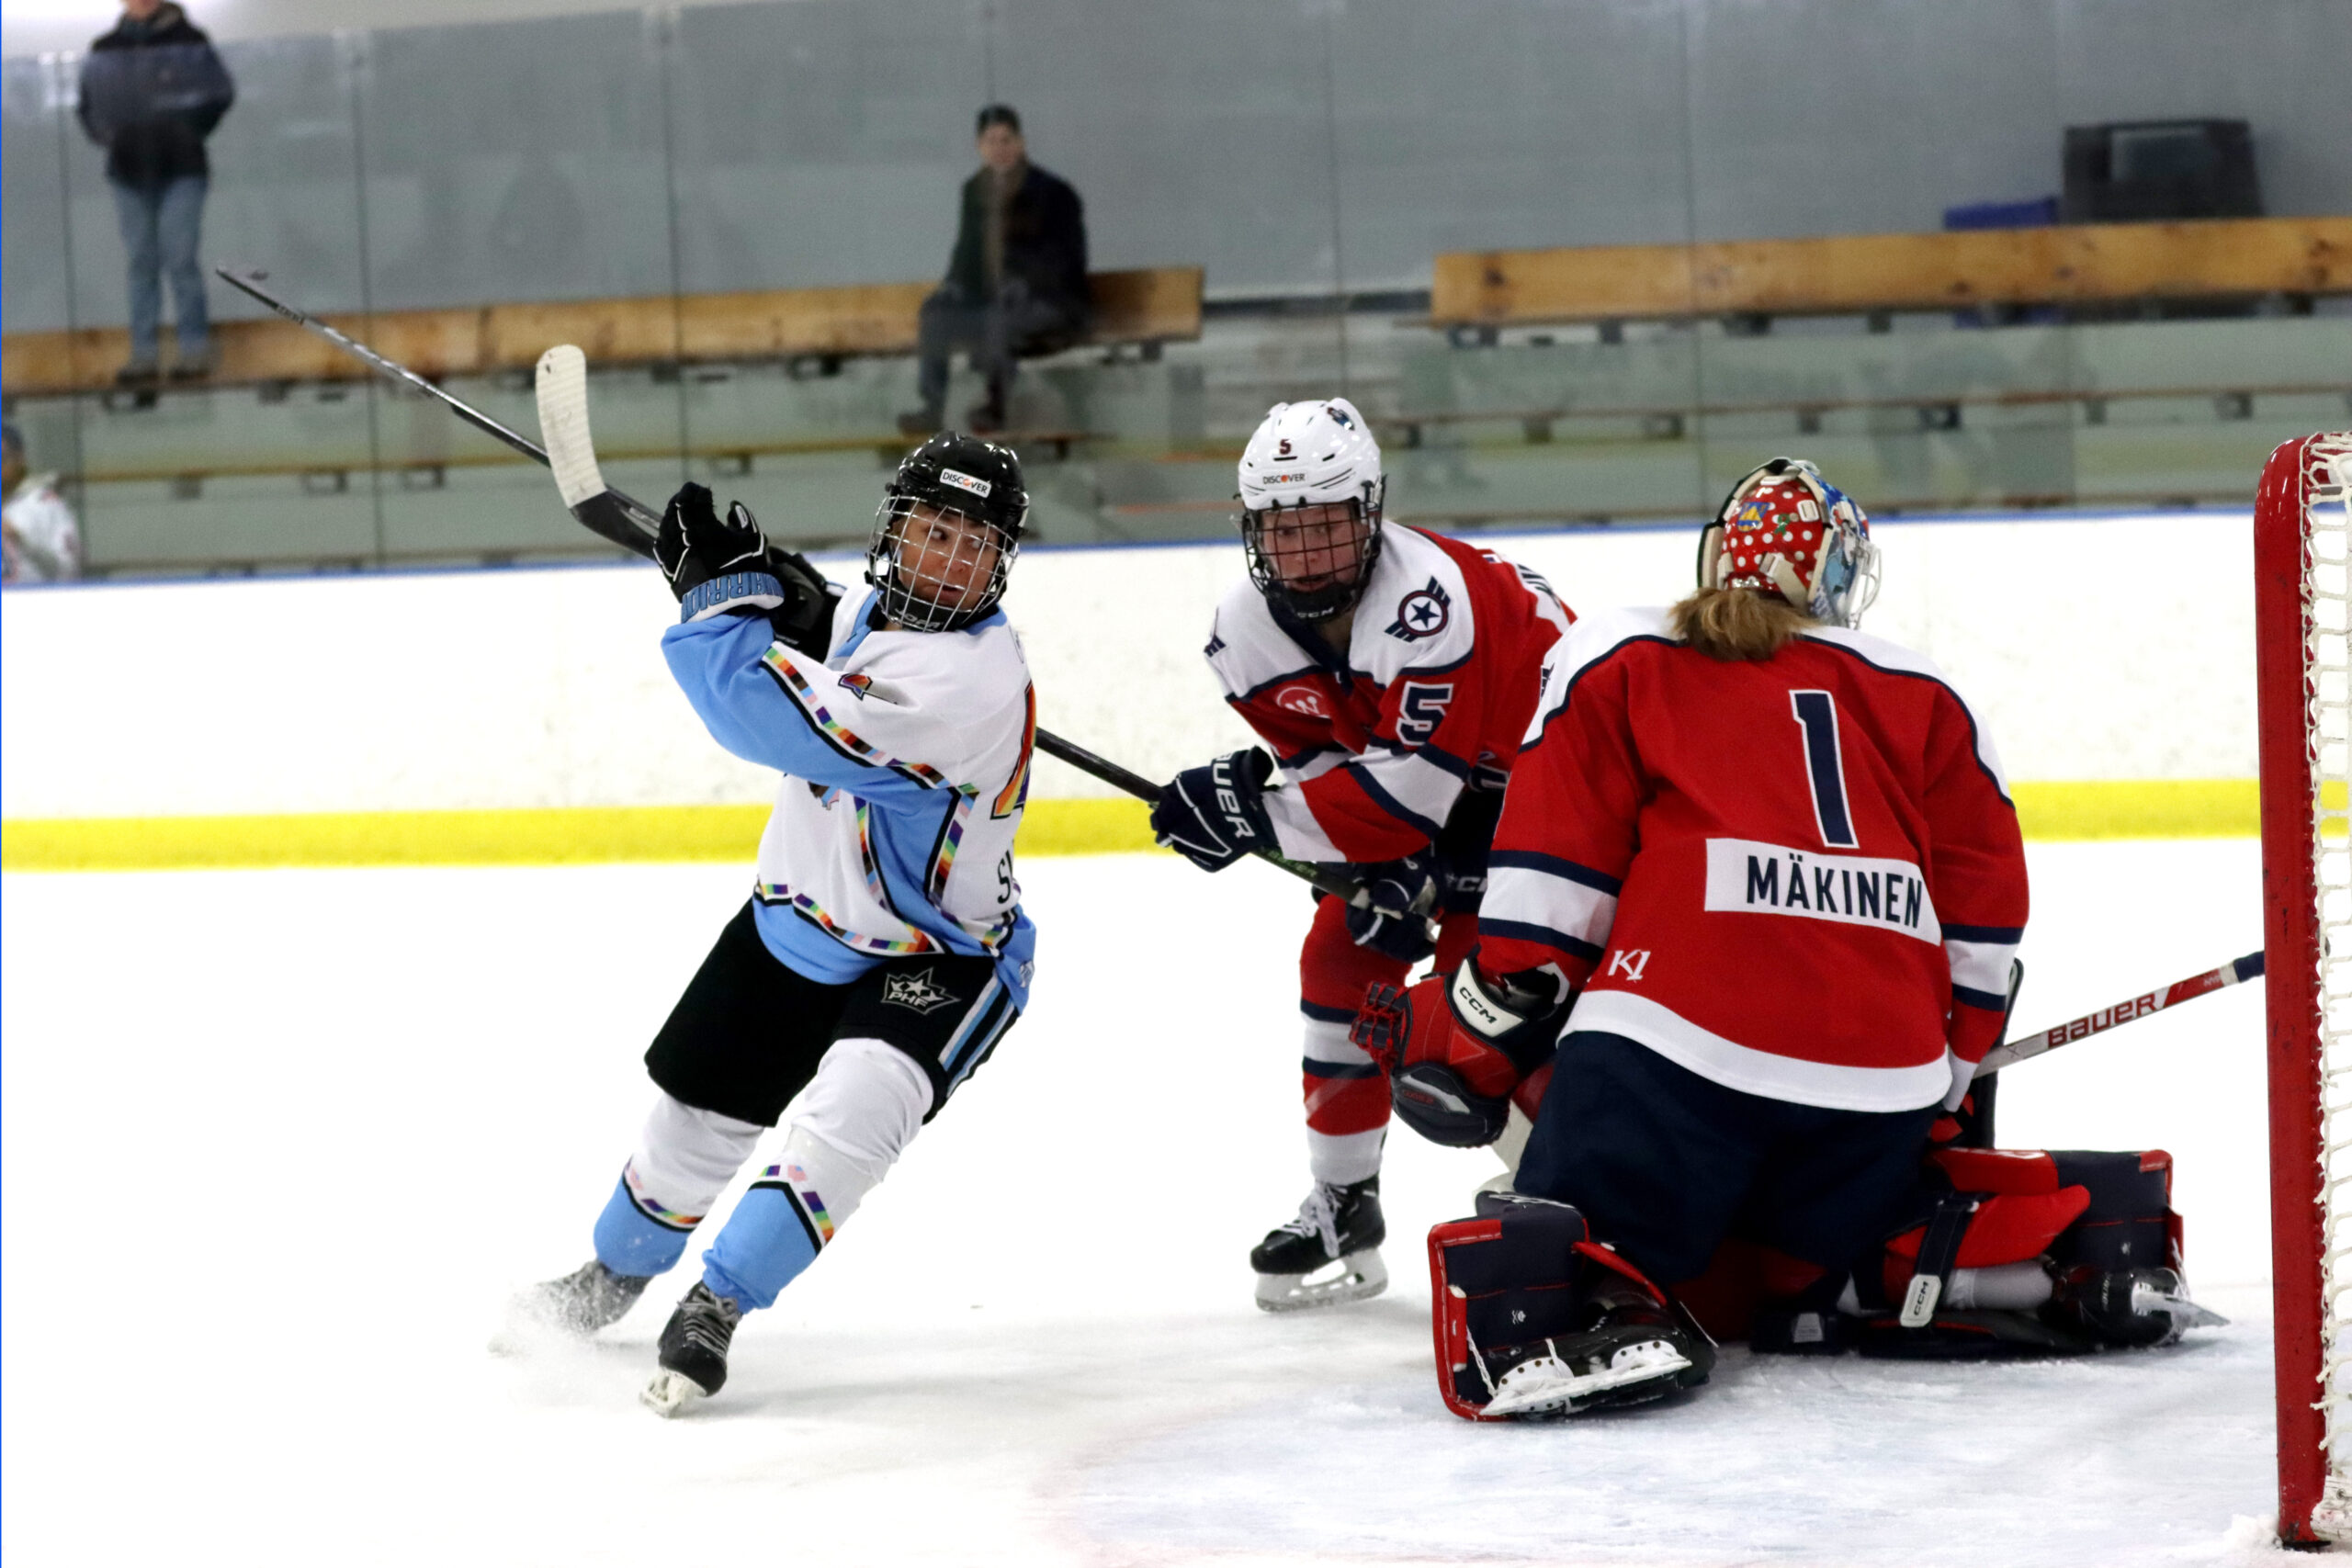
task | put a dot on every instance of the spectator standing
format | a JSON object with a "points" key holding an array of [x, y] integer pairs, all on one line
{"points": [[152, 89], [39, 542], [1016, 281]]}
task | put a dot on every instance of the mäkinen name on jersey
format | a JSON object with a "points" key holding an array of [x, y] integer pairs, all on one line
{"points": [[1744, 876]]}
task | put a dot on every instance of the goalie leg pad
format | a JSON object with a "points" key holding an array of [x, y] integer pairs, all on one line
{"points": [[2030, 1253], [1533, 1319]]}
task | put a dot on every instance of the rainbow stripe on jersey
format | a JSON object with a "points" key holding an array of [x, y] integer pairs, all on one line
{"points": [[843, 738]]}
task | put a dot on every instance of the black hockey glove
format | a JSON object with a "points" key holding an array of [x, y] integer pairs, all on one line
{"points": [[1215, 814], [805, 621], [1396, 923], [714, 567]]}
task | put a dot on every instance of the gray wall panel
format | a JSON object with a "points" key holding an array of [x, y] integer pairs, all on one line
{"points": [[1828, 117], [33, 116], [1505, 123], [524, 161], [822, 142]]}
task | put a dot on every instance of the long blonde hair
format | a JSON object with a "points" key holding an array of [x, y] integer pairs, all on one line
{"points": [[1734, 624]]}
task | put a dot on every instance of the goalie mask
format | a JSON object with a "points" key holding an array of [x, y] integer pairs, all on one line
{"points": [[1311, 488], [1786, 530], [945, 534]]}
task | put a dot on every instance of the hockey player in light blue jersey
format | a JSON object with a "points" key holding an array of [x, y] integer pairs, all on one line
{"points": [[883, 952]]}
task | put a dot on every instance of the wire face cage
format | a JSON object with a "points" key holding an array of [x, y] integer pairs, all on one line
{"points": [[2303, 658]]}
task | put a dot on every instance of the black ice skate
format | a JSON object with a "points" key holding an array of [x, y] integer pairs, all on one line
{"points": [[2138, 1307], [1328, 1255], [1633, 1350], [694, 1351], [590, 1298]]}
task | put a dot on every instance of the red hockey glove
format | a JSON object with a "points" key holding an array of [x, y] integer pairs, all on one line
{"points": [[1446, 1084]]}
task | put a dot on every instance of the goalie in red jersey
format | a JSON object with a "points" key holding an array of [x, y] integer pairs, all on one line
{"points": [[1391, 672], [1759, 876]]}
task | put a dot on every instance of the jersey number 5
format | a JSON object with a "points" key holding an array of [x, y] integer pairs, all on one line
{"points": [[1422, 710], [1825, 764]]}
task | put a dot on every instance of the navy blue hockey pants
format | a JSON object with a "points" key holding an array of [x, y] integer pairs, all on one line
{"points": [[1666, 1163]]}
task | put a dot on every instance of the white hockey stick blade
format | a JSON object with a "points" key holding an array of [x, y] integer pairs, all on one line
{"points": [[562, 386], [670, 1394], [562, 383], [1546, 1382]]}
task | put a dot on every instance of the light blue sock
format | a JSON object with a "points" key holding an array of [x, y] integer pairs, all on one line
{"points": [[630, 1241], [765, 1244]]}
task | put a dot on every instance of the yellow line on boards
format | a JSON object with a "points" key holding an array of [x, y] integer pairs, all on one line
{"points": [[558, 836], [2160, 808]]}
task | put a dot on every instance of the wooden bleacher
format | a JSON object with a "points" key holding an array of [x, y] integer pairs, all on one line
{"points": [[2065, 265], [1141, 309]]}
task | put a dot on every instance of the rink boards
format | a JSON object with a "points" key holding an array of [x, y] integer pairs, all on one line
{"points": [[525, 716]]}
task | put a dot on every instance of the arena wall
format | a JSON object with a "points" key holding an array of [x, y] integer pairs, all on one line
{"points": [[2111, 658]]}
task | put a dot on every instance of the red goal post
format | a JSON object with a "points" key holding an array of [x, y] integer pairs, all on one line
{"points": [[2302, 563]]}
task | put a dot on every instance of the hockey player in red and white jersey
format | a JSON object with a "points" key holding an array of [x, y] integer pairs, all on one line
{"points": [[1773, 864], [1759, 876], [1391, 672]]}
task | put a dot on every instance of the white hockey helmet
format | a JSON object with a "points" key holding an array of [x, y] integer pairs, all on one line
{"points": [[1786, 530], [1311, 454]]}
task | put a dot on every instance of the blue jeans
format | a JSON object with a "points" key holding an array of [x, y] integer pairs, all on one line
{"points": [[160, 229]]}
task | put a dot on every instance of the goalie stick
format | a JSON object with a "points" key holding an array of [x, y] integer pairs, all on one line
{"points": [[561, 385], [2012, 1052]]}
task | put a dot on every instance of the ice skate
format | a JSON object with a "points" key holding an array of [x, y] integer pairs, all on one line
{"points": [[1330, 1254], [2139, 1307], [590, 1298], [693, 1352], [1634, 1352]]}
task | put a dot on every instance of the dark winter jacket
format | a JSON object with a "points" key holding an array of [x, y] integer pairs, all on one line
{"points": [[151, 92], [1045, 240]]}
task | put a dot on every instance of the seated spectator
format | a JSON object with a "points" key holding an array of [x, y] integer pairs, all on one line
{"points": [[152, 89], [1016, 281], [39, 542]]}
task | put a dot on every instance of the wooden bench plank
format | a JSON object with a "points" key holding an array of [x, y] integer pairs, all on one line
{"points": [[1145, 305], [2070, 264]]}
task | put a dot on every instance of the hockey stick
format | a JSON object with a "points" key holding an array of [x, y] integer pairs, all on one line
{"points": [[562, 389], [561, 385], [2015, 1051], [631, 531]]}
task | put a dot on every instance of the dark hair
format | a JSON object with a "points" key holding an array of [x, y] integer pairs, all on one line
{"points": [[1004, 115]]}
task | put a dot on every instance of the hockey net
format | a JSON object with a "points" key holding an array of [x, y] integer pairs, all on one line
{"points": [[2303, 655]]}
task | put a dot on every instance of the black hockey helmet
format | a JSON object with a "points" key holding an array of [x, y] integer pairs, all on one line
{"points": [[943, 583]]}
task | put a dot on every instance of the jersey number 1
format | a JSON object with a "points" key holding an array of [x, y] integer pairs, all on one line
{"points": [[1816, 715]]}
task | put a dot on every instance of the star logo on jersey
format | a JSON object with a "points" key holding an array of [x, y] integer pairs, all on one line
{"points": [[1302, 699], [916, 993], [1423, 612]]}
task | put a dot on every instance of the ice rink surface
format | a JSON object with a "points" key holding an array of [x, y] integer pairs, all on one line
{"points": [[277, 1145]]}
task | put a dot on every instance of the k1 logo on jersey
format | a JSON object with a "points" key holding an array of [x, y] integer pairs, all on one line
{"points": [[917, 993], [1423, 612], [1302, 699], [1745, 877]]}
